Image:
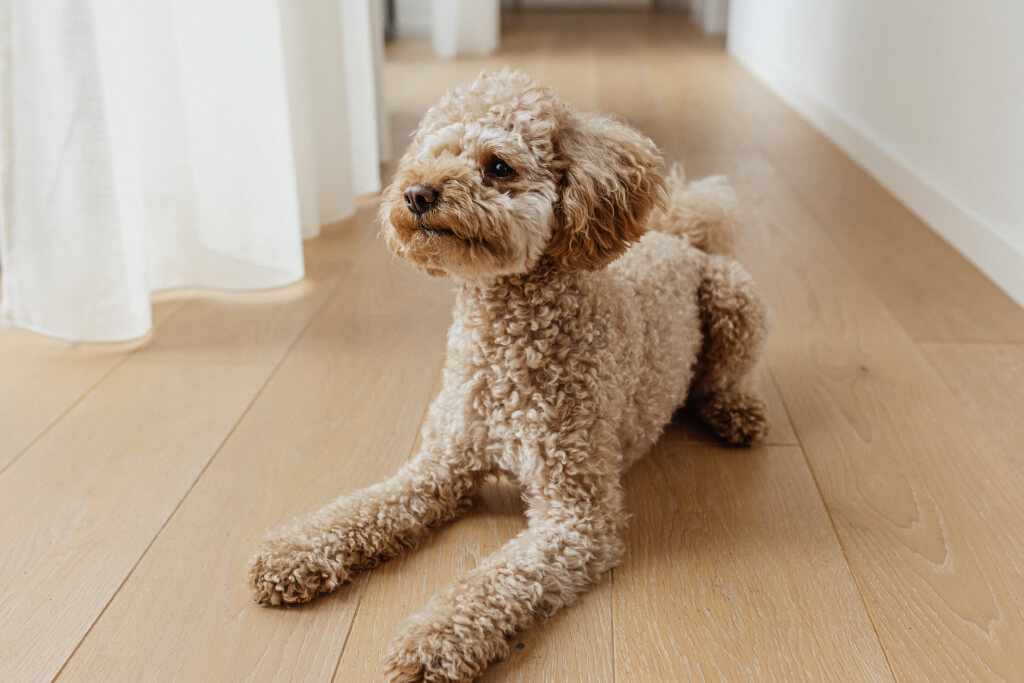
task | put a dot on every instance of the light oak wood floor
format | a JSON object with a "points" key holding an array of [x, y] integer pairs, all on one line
{"points": [[877, 535]]}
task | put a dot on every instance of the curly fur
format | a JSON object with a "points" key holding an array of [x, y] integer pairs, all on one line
{"points": [[577, 333]]}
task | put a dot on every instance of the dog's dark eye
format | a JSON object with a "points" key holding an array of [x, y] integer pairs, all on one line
{"points": [[498, 168]]}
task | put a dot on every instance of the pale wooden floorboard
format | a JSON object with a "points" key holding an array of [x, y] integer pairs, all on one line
{"points": [[83, 503], [988, 381], [59, 374], [715, 106], [57, 383], [261, 327], [908, 491], [912, 484], [876, 450], [733, 572]]}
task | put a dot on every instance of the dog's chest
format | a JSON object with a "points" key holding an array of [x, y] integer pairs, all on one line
{"points": [[531, 360]]}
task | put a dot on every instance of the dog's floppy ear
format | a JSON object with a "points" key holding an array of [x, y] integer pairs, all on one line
{"points": [[610, 182]]}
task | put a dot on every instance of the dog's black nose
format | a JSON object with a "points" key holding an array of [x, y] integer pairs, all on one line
{"points": [[419, 198]]}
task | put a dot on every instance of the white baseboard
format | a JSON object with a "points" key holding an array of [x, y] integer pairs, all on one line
{"points": [[990, 251]]}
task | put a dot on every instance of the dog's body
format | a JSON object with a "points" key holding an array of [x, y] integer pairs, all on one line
{"points": [[564, 363]]}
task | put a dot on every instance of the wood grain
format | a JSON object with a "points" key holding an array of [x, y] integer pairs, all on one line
{"points": [[188, 325], [42, 378], [912, 485], [909, 510], [82, 504], [733, 572], [988, 381]]}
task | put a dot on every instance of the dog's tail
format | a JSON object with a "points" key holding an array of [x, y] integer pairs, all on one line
{"points": [[705, 211]]}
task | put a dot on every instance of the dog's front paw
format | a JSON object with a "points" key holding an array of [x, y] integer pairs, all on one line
{"points": [[282, 574], [429, 649]]}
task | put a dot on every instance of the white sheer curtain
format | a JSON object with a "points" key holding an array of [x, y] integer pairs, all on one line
{"points": [[152, 144]]}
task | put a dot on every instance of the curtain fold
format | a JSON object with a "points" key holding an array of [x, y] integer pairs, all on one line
{"points": [[152, 145]]}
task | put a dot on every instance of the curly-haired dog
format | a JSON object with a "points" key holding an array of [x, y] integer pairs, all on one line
{"points": [[582, 322]]}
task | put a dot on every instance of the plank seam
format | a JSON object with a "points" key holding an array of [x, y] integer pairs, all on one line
{"points": [[970, 342], [835, 529], [64, 413]]}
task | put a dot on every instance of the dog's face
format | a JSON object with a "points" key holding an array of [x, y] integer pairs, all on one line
{"points": [[502, 172]]}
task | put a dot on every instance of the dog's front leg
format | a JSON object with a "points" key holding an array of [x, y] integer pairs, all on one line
{"points": [[315, 554], [569, 543]]}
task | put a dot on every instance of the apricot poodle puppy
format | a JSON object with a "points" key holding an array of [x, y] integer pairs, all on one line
{"points": [[594, 298]]}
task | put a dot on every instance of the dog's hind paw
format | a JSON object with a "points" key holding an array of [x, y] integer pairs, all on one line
{"points": [[281, 576], [737, 418]]}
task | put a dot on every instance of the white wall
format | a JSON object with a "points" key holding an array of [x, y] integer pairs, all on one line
{"points": [[711, 15], [928, 95]]}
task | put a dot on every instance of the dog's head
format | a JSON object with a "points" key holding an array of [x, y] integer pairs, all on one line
{"points": [[501, 172]]}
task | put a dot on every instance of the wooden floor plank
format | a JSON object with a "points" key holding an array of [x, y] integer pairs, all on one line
{"points": [[912, 484], [80, 507], [340, 413], [988, 381], [35, 392], [42, 378], [733, 572], [938, 580]]}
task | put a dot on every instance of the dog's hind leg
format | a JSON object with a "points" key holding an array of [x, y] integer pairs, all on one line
{"points": [[735, 322]]}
